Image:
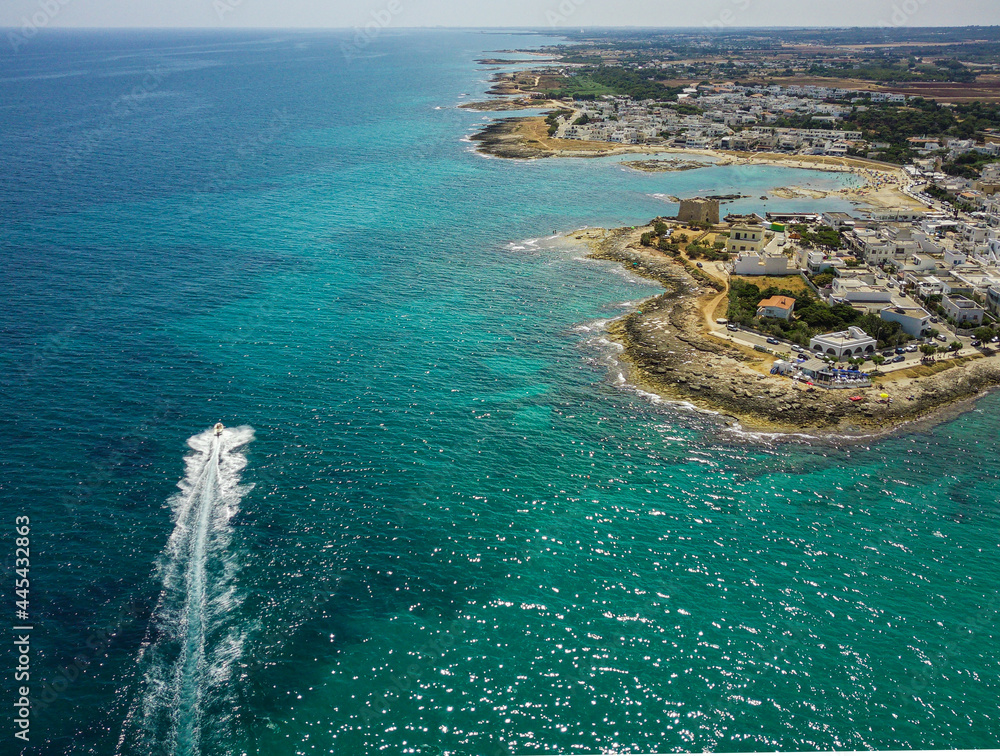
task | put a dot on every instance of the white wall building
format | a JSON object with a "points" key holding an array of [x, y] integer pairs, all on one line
{"points": [[844, 344], [752, 264], [857, 290], [915, 320], [963, 311], [816, 262]]}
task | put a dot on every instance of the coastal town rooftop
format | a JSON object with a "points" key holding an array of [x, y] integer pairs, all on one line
{"points": [[775, 307], [844, 344]]}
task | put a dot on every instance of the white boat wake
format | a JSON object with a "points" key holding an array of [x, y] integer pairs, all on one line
{"points": [[187, 658]]}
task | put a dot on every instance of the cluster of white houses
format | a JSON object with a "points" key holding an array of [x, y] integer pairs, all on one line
{"points": [[892, 264], [892, 261], [735, 120], [734, 117], [888, 267]]}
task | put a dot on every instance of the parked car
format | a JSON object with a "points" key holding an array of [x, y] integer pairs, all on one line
{"points": [[910, 348], [977, 343], [897, 358], [995, 339], [888, 353], [797, 348], [772, 340], [941, 337], [700, 265], [731, 327], [900, 350]]}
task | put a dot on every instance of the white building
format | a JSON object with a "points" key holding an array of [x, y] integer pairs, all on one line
{"points": [[844, 344], [887, 97], [963, 311], [753, 264], [855, 290], [973, 233], [918, 264], [816, 262], [926, 285], [915, 320], [838, 221]]}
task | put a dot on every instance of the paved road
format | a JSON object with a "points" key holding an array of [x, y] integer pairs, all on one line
{"points": [[910, 359]]}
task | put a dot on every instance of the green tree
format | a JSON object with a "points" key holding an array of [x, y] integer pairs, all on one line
{"points": [[668, 246], [955, 346], [660, 228], [983, 333]]}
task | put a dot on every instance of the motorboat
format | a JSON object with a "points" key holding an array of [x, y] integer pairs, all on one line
{"points": [[219, 427]]}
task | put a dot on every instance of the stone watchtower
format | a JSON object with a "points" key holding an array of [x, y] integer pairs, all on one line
{"points": [[699, 210]]}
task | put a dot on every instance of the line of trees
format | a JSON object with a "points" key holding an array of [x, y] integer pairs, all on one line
{"points": [[636, 84]]}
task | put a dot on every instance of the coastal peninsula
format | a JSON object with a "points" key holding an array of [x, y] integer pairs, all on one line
{"points": [[672, 352], [500, 105]]}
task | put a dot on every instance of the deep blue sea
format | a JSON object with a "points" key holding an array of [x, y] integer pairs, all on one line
{"points": [[438, 521]]}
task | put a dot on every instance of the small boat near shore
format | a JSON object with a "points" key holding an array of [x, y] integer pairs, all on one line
{"points": [[219, 427]]}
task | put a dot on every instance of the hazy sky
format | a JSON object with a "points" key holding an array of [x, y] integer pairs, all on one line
{"points": [[470, 13]]}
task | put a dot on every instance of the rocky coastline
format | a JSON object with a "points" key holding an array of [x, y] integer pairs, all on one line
{"points": [[670, 352]]}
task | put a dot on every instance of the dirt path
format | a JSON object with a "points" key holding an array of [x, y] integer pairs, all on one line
{"points": [[711, 306]]}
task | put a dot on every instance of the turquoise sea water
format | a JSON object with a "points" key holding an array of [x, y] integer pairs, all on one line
{"points": [[438, 522]]}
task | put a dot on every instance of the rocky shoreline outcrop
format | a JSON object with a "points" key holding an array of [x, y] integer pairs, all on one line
{"points": [[503, 139], [670, 352]]}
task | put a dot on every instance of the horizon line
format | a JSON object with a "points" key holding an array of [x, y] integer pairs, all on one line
{"points": [[584, 27]]}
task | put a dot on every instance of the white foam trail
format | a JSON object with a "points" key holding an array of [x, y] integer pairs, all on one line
{"points": [[529, 245], [186, 661], [594, 325]]}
